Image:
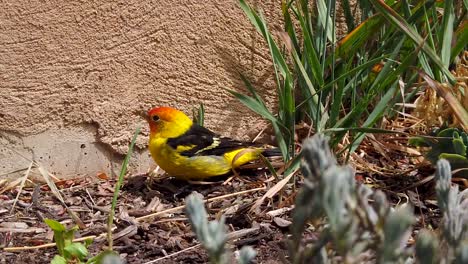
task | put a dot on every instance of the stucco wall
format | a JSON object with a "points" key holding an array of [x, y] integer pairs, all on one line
{"points": [[74, 73]]}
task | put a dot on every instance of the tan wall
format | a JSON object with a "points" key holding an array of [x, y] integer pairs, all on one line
{"points": [[73, 74]]}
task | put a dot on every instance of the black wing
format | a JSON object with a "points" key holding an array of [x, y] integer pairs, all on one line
{"points": [[205, 142]]}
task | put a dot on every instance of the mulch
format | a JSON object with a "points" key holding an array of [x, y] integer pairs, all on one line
{"points": [[137, 237], [150, 225]]}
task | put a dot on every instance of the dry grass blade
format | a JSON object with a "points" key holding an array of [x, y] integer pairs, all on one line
{"points": [[48, 245], [45, 174], [458, 109], [174, 254], [230, 236], [175, 209], [20, 230], [272, 191], [23, 181], [47, 177], [10, 185]]}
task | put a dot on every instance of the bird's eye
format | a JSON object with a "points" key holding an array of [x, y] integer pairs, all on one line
{"points": [[155, 118]]}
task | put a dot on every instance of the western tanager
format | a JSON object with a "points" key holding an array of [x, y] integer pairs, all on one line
{"points": [[188, 151]]}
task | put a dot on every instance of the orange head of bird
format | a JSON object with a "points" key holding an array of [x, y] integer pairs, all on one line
{"points": [[168, 122]]}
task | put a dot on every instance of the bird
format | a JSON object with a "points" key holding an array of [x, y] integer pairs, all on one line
{"points": [[188, 151]]}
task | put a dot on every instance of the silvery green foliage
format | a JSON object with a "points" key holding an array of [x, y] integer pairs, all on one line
{"points": [[246, 255], [461, 256], [212, 234], [427, 247], [397, 230], [454, 207], [308, 200], [358, 231]]}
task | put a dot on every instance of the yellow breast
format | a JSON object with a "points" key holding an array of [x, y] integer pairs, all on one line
{"points": [[197, 167]]}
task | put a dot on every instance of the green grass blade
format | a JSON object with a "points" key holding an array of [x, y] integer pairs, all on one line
{"points": [[310, 86], [254, 105], [261, 109], [348, 15], [118, 184], [289, 26], [325, 20], [310, 53], [348, 46], [446, 32], [376, 113], [461, 40], [395, 19], [355, 71]]}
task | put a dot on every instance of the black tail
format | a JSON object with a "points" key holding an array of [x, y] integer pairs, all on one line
{"points": [[273, 152]]}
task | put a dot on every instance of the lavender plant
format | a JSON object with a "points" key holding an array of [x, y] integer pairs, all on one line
{"points": [[353, 223], [454, 207], [353, 230], [212, 234]]}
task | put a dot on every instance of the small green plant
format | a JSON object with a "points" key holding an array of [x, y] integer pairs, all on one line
{"points": [[118, 184], [212, 234], [450, 144], [68, 251], [75, 252]]}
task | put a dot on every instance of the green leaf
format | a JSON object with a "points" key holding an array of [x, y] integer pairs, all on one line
{"points": [[55, 225], [106, 257], [310, 86], [309, 53], [418, 142], [199, 115], [58, 260], [446, 32], [376, 113], [254, 105], [77, 250], [458, 145], [452, 157], [324, 19], [88, 242], [348, 15], [69, 234], [59, 232]]}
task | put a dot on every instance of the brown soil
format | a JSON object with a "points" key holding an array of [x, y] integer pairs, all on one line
{"points": [[140, 240], [147, 240]]}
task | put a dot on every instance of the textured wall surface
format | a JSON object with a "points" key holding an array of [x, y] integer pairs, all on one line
{"points": [[74, 73]]}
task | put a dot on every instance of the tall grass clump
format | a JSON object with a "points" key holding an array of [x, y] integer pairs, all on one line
{"points": [[344, 86]]}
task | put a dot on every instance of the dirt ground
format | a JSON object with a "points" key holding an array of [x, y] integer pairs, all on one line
{"points": [[137, 241], [167, 237]]}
